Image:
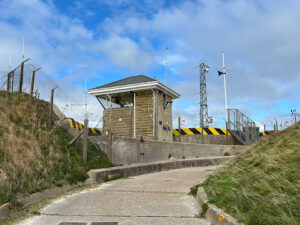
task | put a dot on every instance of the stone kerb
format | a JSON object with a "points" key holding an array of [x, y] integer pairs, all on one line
{"points": [[101, 175], [214, 214]]}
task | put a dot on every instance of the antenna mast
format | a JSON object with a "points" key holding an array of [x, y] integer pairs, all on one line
{"points": [[166, 64], [225, 90], [23, 51], [9, 60], [204, 120]]}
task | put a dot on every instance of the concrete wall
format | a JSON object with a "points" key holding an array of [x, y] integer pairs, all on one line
{"points": [[208, 139], [129, 150], [101, 141]]}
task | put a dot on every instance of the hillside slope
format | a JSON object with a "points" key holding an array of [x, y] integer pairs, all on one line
{"points": [[261, 186], [33, 155]]}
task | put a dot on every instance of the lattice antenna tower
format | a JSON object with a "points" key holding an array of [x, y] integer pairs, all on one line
{"points": [[203, 95]]}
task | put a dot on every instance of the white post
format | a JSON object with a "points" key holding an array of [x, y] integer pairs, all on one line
{"points": [[134, 119], [225, 91], [154, 112], [166, 63], [23, 51], [9, 59]]}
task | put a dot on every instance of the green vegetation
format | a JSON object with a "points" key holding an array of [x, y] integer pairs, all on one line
{"points": [[194, 189], [114, 177], [226, 154], [204, 209], [35, 156], [262, 185]]}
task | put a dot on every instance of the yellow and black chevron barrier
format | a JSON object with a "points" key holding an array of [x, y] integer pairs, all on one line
{"points": [[264, 133], [79, 126], [198, 130]]}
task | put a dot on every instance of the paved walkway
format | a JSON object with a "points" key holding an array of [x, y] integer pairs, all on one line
{"points": [[157, 198]]}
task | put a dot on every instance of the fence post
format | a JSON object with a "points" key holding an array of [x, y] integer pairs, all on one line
{"points": [[227, 138], [51, 105], [179, 128], [202, 132], [32, 82], [21, 77], [85, 144], [8, 82], [109, 147]]}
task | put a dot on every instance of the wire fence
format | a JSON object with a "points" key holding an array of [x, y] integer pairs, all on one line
{"points": [[69, 99]]}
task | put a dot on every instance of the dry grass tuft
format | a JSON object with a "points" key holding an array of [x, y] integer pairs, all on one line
{"points": [[31, 157]]}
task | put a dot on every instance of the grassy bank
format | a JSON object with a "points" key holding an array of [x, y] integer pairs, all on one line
{"points": [[33, 155], [261, 186]]}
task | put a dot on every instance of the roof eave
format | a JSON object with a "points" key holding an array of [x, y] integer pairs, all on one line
{"points": [[134, 87]]}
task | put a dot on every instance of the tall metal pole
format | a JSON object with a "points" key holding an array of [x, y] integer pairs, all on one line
{"points": [[179, 129], [225, 90], [202, 132], [166, 65], [134, 115], [203, 96], [85, 136]]}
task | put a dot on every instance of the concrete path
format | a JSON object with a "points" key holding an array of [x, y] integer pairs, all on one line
{"points": [[157, 198]]}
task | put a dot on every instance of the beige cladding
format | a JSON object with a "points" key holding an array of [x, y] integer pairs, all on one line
{"points": [[121, 121]]}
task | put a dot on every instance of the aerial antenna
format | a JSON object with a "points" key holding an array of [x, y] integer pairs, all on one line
{"points": [[85, 99], [223, 72], [9, 60], [166, 63], [23, 50]]}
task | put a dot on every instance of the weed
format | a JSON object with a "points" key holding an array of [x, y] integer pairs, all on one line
{"points": [[114, 177], [204, 208]]}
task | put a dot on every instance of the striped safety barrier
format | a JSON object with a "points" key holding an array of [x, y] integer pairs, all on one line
{"points": [[198, 130], [79, 126], [264, 133]]}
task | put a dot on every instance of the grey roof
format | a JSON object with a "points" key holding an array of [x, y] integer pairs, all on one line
{"points": [[126, 81]]}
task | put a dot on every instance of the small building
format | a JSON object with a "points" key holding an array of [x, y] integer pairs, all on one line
{"points": [[137, 106]]}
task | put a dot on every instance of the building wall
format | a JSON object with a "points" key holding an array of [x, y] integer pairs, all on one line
{"points": [[119, 121], [144, 114], [164, 118]]}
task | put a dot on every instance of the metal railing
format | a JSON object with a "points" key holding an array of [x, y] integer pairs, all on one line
{"points": [[242, 127]]}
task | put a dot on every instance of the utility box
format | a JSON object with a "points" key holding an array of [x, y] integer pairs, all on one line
{"points": [[137, 106]]}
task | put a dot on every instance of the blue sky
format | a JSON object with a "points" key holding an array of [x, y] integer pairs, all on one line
{"points": [[105, 40]]}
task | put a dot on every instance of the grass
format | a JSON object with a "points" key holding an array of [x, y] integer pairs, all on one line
{"points": [[262, 185], [35, 156]]}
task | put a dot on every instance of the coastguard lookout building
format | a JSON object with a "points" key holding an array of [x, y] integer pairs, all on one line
{"points": [[137, 106]]}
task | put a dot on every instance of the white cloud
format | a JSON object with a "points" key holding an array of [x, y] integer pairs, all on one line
{"points": [[125, 53]]}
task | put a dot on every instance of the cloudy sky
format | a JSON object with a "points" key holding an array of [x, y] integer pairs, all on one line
{"points": [[104, 40]]}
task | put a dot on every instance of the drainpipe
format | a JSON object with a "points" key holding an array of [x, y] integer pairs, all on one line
{"points": [[154, 112], [134, 120]]}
